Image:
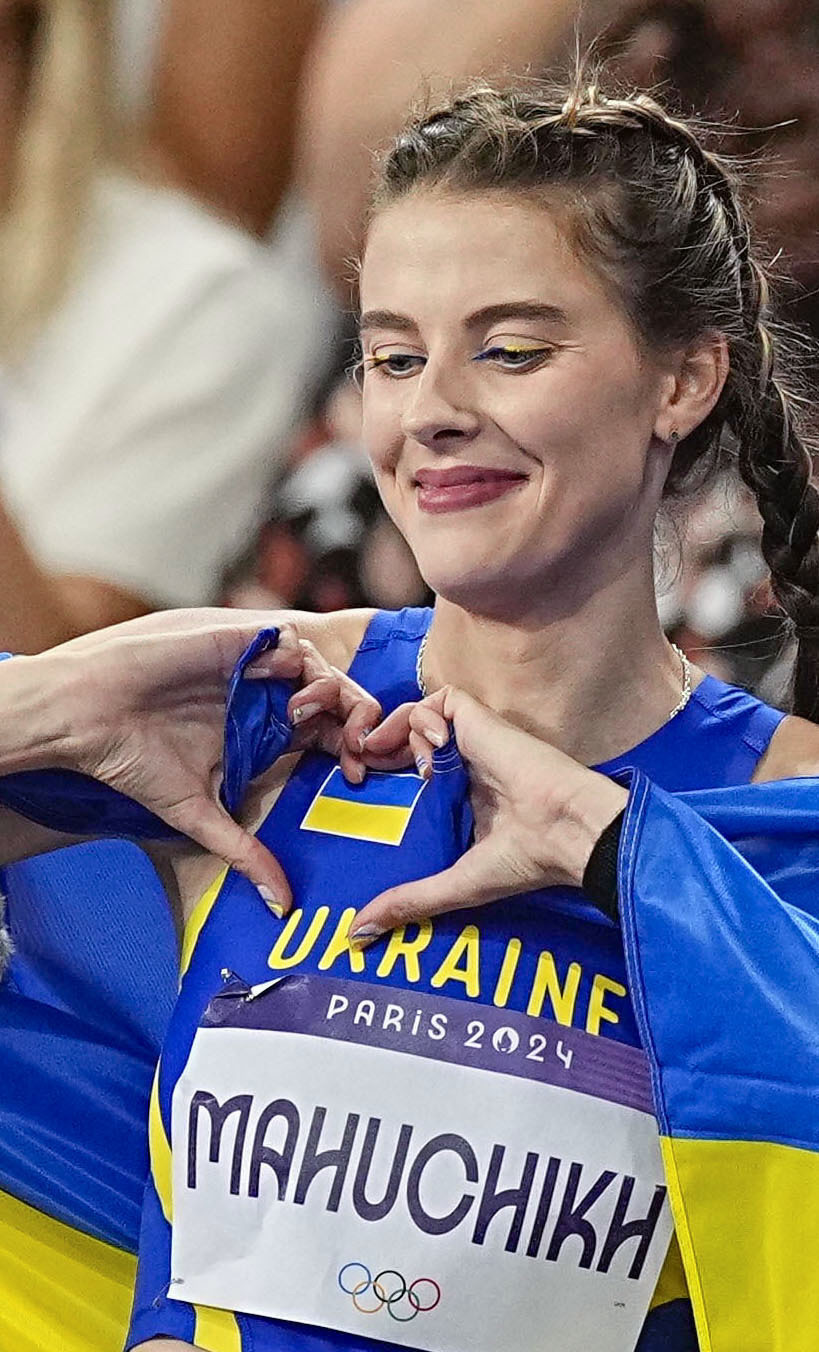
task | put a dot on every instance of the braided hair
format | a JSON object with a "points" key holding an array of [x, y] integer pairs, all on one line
{"points": [[660, 217]]}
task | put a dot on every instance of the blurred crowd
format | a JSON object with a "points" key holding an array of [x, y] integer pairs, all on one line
{"points": [[183, 189]]}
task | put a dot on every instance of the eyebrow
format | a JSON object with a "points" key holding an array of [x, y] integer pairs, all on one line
{"points": [[487, 314]]}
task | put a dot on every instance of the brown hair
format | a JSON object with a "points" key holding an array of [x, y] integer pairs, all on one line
{"points": [[660, 216]]}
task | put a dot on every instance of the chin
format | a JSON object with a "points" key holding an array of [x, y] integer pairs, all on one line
{"points": [[478, 585]]}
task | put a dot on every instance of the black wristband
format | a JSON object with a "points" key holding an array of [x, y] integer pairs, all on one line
{"points": [[600, 874]]}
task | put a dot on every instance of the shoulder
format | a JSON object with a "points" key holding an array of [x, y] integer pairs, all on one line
{"points": [[337, 635], [793, 752]]}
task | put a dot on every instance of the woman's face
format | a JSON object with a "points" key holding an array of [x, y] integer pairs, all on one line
{"points": [[508, 410]]}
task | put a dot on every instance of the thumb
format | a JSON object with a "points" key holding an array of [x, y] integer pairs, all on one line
{"points": [[472, 880], [210, 826]]}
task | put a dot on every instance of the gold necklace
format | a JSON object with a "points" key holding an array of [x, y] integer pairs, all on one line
{"points": [[678, 707]]}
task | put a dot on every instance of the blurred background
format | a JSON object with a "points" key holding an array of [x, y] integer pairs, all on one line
{"points": [[182, 190]]}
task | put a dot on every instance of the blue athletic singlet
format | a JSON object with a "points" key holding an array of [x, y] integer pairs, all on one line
{"points": [[547, 956]]}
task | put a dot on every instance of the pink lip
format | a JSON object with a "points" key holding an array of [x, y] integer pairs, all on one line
{"points": [[463, 486]]}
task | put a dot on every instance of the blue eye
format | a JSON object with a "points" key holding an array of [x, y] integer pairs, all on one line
{"points": [[513, 358]]}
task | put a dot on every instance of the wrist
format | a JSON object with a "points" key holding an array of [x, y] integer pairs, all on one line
{"points": [[591, 805], [35, 718]]}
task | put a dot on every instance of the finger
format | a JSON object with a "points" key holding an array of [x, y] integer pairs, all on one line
{"points": [[421, 751], [211, 827], [429, 724], [284, 662], [473, 722], [313, 664], [392, 735], [360, 711], [436, 702], [399, 760], [321, 733], [488, 745], [351, 766], [316, 725], [319, 696], [282, 665], [473, 880], [356, 708]]}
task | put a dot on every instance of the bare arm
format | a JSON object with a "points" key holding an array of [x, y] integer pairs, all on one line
{"points": [[141, 707], [32, 732], [225, 93], [374, 59]]}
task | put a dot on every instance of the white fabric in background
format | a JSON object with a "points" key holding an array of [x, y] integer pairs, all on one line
{"points": [[140, 437]]}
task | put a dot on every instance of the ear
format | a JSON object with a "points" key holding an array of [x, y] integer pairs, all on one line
{"points": [[693, 386]]}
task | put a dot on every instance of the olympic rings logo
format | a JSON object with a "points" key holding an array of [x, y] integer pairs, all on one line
{"points": [[387, 1290]]}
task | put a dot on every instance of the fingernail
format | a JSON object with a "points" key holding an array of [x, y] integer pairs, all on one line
{"points": [[305, 711], [438, 739], [423, 766], [364, 936], [354, 774], [269, 899]]}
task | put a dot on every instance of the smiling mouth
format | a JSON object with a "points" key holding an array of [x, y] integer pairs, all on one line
{"points": [[455, 490]]}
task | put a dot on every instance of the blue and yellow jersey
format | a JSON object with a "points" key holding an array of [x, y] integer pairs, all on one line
{"points": [[548, 955]]}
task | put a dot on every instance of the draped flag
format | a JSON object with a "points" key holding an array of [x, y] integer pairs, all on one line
{"points": [[719, 894], [719, 898]]}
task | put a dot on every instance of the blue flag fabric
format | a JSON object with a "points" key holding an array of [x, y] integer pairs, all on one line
{"points": [[719, 893], [720, 897]]}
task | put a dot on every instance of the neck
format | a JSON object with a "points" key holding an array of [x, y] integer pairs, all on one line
{"points": [[593, 682]]}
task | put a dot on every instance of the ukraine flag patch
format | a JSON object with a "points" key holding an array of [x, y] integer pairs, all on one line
{"points": [[378, 810]]}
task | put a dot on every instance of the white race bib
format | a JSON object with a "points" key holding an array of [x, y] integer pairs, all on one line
{"points": [[431, 1172]]}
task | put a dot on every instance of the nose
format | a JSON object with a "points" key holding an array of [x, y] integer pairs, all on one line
{"points": [[436, 414]]}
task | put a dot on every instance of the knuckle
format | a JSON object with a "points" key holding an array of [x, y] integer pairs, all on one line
{"points": [[288, 634], [403, 913], [368, 711]]}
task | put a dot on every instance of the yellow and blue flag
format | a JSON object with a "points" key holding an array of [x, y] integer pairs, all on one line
{"points": [[719, 895], [379, 810]]}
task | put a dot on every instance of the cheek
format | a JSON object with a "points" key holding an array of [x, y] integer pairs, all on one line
{"points": [[381, 433], [582, 416]]}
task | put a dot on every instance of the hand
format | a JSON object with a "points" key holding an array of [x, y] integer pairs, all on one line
{"points": [[331, 712], [537, 812], [141, 707]]}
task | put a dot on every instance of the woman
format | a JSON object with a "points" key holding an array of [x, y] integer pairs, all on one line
{"points": [[561, 315]]}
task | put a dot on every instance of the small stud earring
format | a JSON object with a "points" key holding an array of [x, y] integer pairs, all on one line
{"points": [[673, 437]]}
